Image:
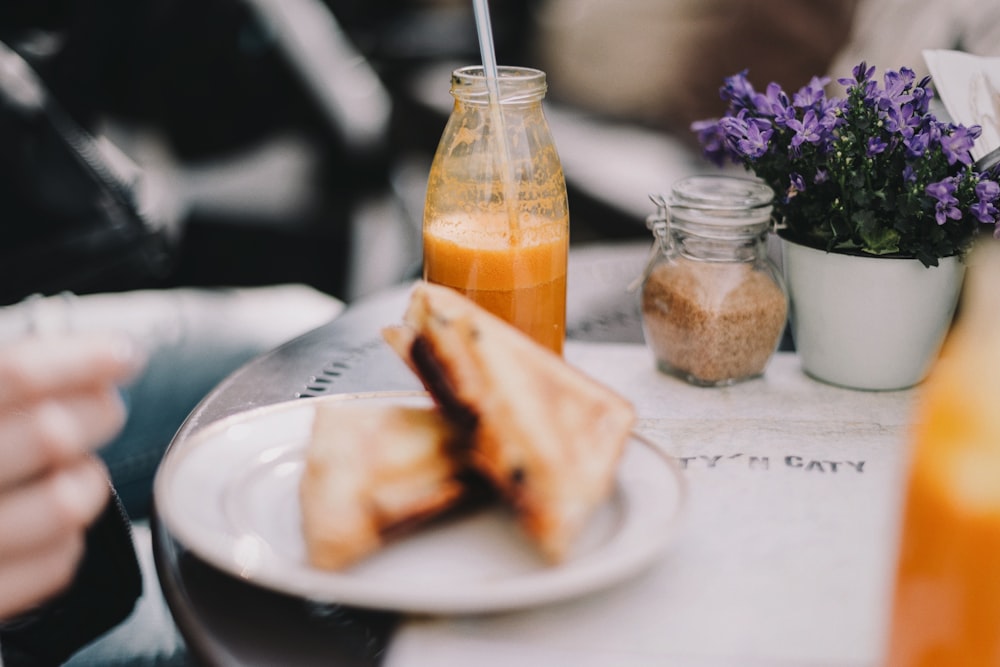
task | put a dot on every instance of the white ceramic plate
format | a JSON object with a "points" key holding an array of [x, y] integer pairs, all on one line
{"points": [[230, 495]]}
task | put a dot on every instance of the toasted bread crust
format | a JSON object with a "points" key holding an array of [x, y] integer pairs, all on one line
{"points": [[371, 470], [548, 436]]}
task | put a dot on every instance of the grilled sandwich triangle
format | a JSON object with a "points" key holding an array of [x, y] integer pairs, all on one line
{"points": [[545, 434]]}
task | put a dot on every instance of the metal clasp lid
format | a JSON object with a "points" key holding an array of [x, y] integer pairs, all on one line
{"points": [[658, 223]]}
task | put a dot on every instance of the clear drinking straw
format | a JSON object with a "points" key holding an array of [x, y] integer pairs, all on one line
{"points": [[484, 30]]}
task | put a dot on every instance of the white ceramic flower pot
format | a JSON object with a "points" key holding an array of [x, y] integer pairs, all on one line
{"points": [[873, 323]]}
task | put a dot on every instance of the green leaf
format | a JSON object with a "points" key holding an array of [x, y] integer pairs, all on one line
{"points": [[880, 241], [877, 239]]}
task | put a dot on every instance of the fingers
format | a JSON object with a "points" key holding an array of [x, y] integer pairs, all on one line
{"points": [[42, 527], [56, 431], [61, 503], [29, 580], [58, 402], [34, 367]]}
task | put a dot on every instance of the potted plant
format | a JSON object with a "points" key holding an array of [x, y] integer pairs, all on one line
{"points": [[869, 185]]}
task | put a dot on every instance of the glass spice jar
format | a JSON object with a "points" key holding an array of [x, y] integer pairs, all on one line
{"points": [[713, 304]]}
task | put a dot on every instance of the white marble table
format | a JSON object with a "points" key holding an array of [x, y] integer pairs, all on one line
{"points": [[782, 558], [784, 554]]}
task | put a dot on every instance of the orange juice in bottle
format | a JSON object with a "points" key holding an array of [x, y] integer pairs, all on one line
{"points": [[496, 219], [946, 605]]}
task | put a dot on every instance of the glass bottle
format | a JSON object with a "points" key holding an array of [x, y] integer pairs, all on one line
{"points": [[496, 217], [946, 602], [713, 304]]}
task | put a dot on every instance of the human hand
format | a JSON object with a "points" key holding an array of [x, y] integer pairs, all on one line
{"points": [[58, 402]]}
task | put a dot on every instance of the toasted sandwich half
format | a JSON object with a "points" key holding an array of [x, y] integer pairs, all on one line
{"points": [[546, 435], [371, 472]]}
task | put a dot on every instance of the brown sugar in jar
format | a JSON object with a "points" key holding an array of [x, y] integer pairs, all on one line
{"points": [[713, 304], [715, 324]]}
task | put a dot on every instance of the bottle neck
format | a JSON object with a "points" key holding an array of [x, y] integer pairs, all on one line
{"points": [[515, 85]]}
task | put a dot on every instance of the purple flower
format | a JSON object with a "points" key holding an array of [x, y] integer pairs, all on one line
{"points": [[758, 134], [811, 94], [897, 87], [712, 139], [922, 96], [747, 137], [863, 82], [988, 190], [806, 130], [821, 176], [737, 90], [798, 184], [862, 74], [984, 209], [876, 145], [947, 204], [957, 144], [917, 144], [832, 112], [774, 102], [901, 120]]}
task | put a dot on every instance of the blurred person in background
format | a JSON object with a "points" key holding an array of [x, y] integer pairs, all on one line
{"points": [[254, 122], [117, 133], [963, 25], [660, 63]]}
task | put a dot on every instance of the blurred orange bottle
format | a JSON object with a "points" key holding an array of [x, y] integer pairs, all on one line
{"points": [[496, 218], [946, 606]]}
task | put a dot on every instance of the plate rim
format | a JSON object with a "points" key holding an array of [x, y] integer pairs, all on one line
{"points": [[630, 553]]}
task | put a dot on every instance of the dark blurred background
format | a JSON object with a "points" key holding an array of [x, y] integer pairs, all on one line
{"points": [[289, 140], [281, 137]]}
